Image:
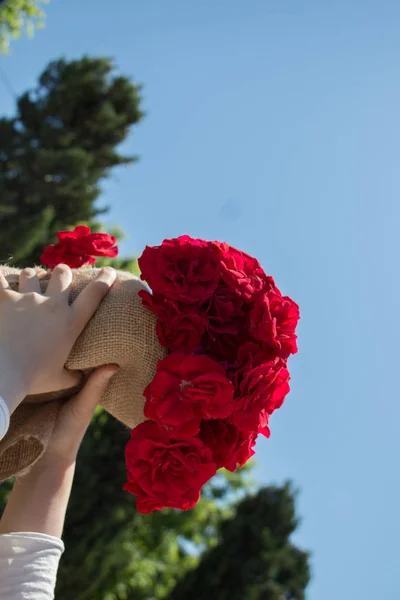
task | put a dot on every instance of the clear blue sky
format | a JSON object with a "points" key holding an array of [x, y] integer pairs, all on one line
{"points": [[276, 125]]}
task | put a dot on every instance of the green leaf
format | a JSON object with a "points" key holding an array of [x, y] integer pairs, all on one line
{"points": [[16, 15]]}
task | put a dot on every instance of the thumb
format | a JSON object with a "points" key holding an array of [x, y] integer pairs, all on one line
{"points": [[85, 402], [75, 415]]}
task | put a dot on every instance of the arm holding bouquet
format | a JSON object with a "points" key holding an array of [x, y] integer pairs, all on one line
{"points": [[37, 333], [32, 523]]}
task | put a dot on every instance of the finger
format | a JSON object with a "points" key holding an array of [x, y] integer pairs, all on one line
{"points": [[28, 282], [60, 281], [3, 283], [90, 298], [83, 405]]}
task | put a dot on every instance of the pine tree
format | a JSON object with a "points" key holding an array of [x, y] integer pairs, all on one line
{"points": [[255, 559], [57, 149]]}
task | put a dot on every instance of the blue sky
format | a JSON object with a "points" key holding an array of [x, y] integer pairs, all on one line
{"points": [[276, 126]]}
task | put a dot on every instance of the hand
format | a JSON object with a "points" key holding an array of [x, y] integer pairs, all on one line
{"points": [[74, 418], [39, 498], [38, 331]]}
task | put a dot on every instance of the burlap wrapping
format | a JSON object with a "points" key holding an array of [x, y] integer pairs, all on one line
{"points": [[122, 332]]}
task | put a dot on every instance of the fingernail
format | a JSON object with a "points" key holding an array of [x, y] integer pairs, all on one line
{"points": [[110, 371], [108, 271]]}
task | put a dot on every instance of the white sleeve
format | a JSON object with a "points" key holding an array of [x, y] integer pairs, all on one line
{"points": [[28, 566]]}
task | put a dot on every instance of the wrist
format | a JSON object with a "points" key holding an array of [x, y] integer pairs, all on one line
{"points": [[48, 469], [11, 394], [12, 386]]}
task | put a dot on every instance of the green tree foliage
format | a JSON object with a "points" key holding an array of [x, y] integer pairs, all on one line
{"points": [[55, 152], [254, 559], [17, 15]]}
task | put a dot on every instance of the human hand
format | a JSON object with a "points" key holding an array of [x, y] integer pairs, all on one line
{"points": [[38, 331], [73, 419]]}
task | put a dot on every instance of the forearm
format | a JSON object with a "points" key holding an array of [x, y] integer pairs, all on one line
{"points": [[38, 501]]}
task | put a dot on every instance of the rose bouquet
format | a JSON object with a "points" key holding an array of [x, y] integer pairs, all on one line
{"points": [[228, 332], [216, 333]]}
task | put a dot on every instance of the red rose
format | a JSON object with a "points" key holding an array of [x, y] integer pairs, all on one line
{"points": [[163, 473], [218, 326], [227, 326], [287, 315], [183, 331], [229, 445], [274, 320], [78, 247], [186, 389], [224, 310], [178, 327], [250, 355], [182, 269], [241, 271], [262, 390]]}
